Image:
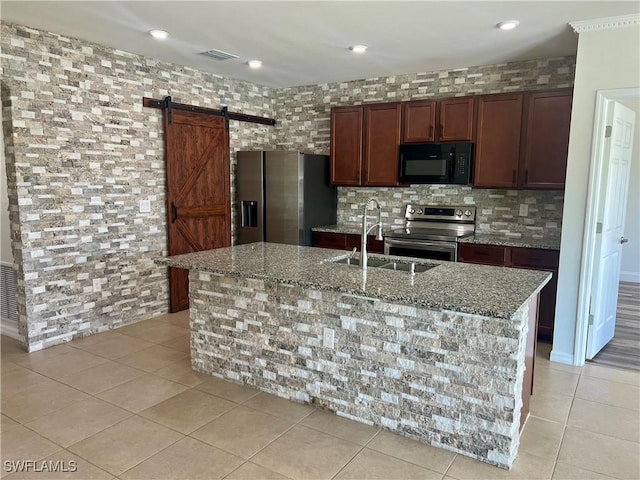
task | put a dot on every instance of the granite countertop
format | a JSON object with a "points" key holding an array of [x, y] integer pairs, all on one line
{"points": [[460, 287], [526, 241], [513, 240], [348, 229]]}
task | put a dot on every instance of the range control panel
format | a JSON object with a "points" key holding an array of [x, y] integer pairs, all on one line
{"points": [[450, 213]]}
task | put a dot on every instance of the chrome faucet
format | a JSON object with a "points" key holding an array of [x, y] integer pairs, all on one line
{"points": [[365, 231]]}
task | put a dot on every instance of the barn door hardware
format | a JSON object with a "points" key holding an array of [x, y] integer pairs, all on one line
{"points": [[169, 105], [166, 104]]}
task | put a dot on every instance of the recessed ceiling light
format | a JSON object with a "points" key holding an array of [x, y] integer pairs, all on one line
{"points": [[159, 34], [254, 63], [508, 25], [358, 48]]}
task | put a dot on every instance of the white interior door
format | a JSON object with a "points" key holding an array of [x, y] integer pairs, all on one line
{"points": [[610, 235]]}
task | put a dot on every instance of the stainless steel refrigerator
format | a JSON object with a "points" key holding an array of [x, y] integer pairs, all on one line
{"points": [[281, 195]]}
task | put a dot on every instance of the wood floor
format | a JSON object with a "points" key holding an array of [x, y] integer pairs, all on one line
{"points": [[624, 350]]}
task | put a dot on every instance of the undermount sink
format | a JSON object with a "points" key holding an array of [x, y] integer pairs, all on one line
{"points": [[406, 266], [372, 262], [403, 266]]}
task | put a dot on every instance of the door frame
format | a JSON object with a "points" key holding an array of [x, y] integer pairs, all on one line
{"points": [[595, 195]]}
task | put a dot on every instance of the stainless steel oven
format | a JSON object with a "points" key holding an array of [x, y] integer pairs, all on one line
{"points": [[431, 232], [447, 251]]}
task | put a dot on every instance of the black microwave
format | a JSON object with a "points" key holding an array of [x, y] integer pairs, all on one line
{"points": [[436, 163]]}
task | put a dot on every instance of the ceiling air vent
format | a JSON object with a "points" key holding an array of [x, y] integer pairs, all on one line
{"points": [[219, 54]]}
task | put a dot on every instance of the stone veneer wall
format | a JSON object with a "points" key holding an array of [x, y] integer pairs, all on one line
{"points": [[451, 380], [304, 116], [81, 153]]}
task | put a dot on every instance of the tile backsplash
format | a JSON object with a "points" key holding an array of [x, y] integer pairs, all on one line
{"points": [[498, 211], [303, 115]]}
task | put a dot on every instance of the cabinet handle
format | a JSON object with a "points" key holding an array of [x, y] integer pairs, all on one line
{"points": [[441, 130], [526, 176], [431, 131], [513, 177]]}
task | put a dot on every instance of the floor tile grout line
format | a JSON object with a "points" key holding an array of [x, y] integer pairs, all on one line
{"points": [[348, 462], [455, 454], [357, 453], [611, 380], [603, 434], [565, 425], [557, 456], [261, 449], [606, 404], [446, 471], [555, 465], [152, 455]]}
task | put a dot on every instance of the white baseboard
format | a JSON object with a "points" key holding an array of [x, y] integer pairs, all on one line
{"points": [[633, 277], [561, 357], [9, 328]]}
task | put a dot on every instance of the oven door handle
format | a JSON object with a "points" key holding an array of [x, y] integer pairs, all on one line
{"points": [[438, 246]]}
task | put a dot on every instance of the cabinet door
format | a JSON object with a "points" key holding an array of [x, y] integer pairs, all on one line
{"points": [[547, 260], [482, 254], [547, 121], [498, 140], [419, 121], [547, 308], [455, 119], [373, 245], [535, 258], [346, 145], [329, 240], [381, 142]]}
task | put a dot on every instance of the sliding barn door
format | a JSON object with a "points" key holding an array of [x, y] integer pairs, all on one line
{"points": [[198, 191]]}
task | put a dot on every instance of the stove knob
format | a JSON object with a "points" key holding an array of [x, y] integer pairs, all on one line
{"points": [[412, 211], [458, 213], [467, 213], [419, 211]]}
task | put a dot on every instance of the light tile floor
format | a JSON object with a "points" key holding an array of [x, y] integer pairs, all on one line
{"points": [[126, 404]]}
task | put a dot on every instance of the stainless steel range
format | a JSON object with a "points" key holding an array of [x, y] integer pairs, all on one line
{"points": [[431, 232]]}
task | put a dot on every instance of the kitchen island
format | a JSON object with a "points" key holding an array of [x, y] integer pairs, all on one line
{"points": [[438, 356]]}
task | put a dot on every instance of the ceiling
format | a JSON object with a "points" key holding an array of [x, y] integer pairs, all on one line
{"points": [[306, 42]]}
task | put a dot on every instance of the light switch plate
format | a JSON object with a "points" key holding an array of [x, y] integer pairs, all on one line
{"points": [[145, 206], [524, 209]]}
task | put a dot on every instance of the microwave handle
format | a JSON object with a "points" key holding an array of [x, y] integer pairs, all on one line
{"points": [[452, 158]]}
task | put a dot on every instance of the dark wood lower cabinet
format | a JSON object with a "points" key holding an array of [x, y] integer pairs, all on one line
{"points": [[345, 241], [519, 257]]}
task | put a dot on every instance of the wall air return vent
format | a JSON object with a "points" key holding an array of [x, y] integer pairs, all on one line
{"points": [[219, 54]]}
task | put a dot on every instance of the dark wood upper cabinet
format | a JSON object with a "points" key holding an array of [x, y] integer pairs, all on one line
{"points": [[446, 120], [546, 141], [381, 142], [521, 138], [364, 144], [498, 140], [456, 119], [419, 121], [346, 145]]}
